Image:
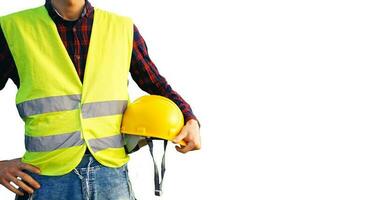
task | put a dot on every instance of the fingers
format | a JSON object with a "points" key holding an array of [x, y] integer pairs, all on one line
{"points": [[21, 184], [181, 135], [190, 146], [28, 179], [11, 176], [11, 188], [30, 168]]}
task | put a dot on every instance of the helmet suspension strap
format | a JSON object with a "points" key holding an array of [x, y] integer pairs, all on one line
{"points": [[158, 183]]}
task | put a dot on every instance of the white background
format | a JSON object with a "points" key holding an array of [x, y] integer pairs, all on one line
{"points": [[283, 90]]}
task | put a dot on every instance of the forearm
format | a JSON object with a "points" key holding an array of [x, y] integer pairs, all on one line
{"points": [[146, 75]]}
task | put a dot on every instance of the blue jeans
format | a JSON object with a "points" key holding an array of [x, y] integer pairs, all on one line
{"points": [[88, 181]]}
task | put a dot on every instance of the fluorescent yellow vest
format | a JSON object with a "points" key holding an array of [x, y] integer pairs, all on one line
{"points": [[62, 116]]}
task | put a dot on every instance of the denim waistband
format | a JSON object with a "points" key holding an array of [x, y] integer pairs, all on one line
{"points": [[86, 160], [87, 151]]}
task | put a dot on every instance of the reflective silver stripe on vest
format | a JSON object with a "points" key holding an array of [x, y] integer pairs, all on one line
{"points": [[98, 109], [48, 104], [54, 142], [116, 141]]}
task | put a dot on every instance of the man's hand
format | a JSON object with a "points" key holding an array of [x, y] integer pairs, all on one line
{"points": [[190, 133], [11, 171]]}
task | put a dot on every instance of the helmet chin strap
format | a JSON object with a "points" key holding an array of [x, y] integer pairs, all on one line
{"points": [[158, 182]]}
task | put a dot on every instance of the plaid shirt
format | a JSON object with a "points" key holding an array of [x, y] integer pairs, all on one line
{"points": [[76, 38]]}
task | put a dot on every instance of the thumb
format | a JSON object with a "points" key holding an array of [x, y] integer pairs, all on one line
{"points": [[181, 136]]}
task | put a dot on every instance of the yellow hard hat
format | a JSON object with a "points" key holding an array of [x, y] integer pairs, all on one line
{"points": [[153, 116]]}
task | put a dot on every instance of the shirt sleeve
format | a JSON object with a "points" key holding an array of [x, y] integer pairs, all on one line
{"points": [[7, 66], [147, 77]]}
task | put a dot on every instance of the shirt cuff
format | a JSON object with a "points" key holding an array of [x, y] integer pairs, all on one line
{"points": [[190, 116]]}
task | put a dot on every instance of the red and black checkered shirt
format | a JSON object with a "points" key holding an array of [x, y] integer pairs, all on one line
{"points": [[76, 38]]}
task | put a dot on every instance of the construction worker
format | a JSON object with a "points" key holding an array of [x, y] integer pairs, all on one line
{"points": [[70, 63]]}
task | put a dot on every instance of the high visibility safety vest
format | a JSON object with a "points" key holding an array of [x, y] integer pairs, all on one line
{"points": [[62, 115]]}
